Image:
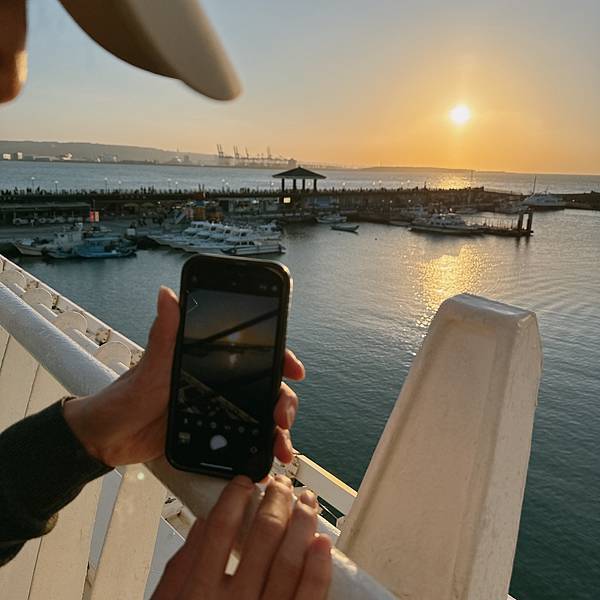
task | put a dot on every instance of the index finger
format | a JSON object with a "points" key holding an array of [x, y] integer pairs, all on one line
{"points": [[292, 366]]}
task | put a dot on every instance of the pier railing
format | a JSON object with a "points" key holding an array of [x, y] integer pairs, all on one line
{"points": [[436, 516]]}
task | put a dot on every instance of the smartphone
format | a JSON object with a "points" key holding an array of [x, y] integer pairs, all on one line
{"points": [[228, 365]]}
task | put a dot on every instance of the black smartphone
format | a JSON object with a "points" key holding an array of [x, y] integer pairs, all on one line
{"points": [[228, 365]]}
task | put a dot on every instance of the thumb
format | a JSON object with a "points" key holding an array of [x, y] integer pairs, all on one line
{"points": [[163, 334]]}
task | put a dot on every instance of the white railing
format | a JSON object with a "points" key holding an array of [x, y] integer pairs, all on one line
{"points": [[64, 349], [437, 513]]}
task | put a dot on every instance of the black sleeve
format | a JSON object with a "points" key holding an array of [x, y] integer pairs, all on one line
{"points": [[43, 466]]}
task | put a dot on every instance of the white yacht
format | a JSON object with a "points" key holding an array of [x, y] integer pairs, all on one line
{"points": [[181, 241], [236, 237], [195, 228], [269, 231], [447, 223], [214, 241], [544, 201]]}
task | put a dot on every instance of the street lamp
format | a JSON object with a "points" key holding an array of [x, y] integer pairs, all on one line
{"points": [[119, 182], [106, 185], [32, 183], [55, 186], [169, 182]]}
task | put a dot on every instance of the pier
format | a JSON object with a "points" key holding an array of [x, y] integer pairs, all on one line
{"points": [[376, 204]]}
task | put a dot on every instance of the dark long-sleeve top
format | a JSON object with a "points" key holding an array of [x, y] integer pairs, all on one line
{"points": [[43, 466]]}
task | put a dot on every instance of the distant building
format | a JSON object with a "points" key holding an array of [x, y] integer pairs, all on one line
{"points": [[17, 156], [186, 159], [6, 156], [66, 156]]}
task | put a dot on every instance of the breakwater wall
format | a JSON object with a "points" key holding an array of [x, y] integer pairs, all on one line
{"points": [[378, 203]]}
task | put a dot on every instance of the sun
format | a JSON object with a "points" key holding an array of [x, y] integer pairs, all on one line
{"points": [[460, 114]]}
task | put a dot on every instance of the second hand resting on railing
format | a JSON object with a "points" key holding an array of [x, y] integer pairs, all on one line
{"points": [[124, 424]]}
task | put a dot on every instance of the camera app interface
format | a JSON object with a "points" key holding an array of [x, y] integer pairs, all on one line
{"points": [[226, 377]]}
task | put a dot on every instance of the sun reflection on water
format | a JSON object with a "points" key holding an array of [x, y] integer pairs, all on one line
{"points": [[453, 181], [448, 275]]}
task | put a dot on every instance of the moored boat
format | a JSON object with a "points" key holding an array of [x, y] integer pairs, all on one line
{"points": [[331, 219], [446, 223], [98, 247], [255, 247], [345, 227]]}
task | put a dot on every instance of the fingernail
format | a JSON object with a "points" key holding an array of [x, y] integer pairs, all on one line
{"points": [[322, 545], [307, 497], [288, 445], [291, 415]]}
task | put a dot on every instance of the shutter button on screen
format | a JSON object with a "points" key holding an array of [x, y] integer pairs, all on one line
{"points": [[217, 442]]}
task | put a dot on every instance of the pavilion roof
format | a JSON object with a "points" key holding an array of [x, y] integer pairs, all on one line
{"points": [[299, 173]]}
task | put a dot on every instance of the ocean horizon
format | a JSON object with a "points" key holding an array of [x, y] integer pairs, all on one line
{"points": [[63, 175]]}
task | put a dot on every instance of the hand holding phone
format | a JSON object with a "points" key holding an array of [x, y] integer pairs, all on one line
{"points": [[227, 366]]}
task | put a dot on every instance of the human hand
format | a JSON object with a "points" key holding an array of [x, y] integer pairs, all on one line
{"points": [[126, 422], [282, 558]]}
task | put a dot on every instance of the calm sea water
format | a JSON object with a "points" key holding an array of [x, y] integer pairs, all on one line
{"points": [[108, 176], [362, 304]]}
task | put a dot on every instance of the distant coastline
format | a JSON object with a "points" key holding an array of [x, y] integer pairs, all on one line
{"points": [[116, 154]]}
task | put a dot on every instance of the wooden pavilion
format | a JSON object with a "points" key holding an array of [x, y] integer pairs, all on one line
{"points": [[299, 173]]}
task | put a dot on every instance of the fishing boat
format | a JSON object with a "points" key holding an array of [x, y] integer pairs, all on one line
{"points": [[446, 223], [61, 239], [98, 247], [345, 227], [104, 248], [255, 247], [331, 219]]}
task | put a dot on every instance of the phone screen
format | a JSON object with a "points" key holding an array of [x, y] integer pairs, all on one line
{"points": [[229, 370]]}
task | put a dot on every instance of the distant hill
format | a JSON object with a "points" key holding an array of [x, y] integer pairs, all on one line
{"points": [[89, 151]]}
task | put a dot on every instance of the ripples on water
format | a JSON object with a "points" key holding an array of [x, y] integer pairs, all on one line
{"points": [[362, 304]]}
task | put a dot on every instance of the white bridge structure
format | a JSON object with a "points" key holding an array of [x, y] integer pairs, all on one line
{"points": [[436, 516]]}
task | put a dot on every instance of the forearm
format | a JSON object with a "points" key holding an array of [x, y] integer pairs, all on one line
{"points": [[43, 466]]}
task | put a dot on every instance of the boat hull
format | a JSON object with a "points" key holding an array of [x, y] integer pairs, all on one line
{"points": [[445, 230], [27, 250], [346, 228], [256, 250]]}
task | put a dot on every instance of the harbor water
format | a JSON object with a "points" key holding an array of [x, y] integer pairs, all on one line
{"points": [[362, 304], [107, 176]]}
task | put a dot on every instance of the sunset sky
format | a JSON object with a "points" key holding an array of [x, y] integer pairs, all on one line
{"points": [[344, 81]]}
